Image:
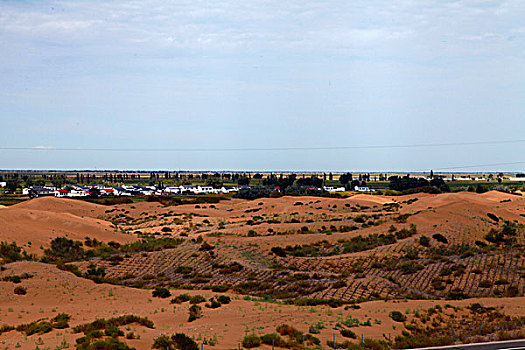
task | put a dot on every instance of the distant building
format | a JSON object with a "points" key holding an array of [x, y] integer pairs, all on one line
{"points": [[362, 189], [41, 191], [333, 189]]}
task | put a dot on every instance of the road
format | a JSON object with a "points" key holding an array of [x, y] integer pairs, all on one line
{"points": [[503, 345]]}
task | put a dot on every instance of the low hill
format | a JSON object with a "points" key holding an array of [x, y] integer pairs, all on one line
{"points": [[33, 224]]}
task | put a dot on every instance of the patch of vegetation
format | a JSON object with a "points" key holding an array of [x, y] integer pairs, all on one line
{"points": [[10, 252], [65, 250], [181, 298], [177, 341], [161, 292], [19, 290], [345, 246], [251, 341], [16, 278], [100, 324], [397, 316], [194, 313]]}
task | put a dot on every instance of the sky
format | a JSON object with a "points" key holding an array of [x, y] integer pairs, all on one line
{"points": [[224, 74]]}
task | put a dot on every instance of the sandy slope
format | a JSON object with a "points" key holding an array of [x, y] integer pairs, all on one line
{"points": [[62, 205], [40, 220], [51, 291]]}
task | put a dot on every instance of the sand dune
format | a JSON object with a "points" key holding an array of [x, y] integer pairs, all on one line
{"points": [[51, 291], [35, 223], [62, 205]]}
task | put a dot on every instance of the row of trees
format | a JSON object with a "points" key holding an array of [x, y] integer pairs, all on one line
{"points": [[404, 183]]}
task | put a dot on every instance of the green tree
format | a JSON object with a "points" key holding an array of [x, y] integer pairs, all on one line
{"points": [[214, 181], [12, 184]]}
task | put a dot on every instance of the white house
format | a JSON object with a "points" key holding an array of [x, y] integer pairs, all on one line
{"points": [[173, 190], [61, 193], [516, 178], [205, 189], [228, 189], [333, 189], [362, 189], [77, 192]]}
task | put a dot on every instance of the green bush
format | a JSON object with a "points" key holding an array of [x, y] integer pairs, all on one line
{"points": [[224, 299], [213, 304], [106, 344], [37, 327], [316, 328], [116, 321], [197, 299], [161, 292], [220, 288], [397, 316], [273, 339], [10, 252], [424, 241], [20, 290], [183, 342], [485, 284], [113, 331], [64, 249], [61, 321], [251, 341], [347, 333], [440, 238], [195, 313], [162, 342], [181, 298]]}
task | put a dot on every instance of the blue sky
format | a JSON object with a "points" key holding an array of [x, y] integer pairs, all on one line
{"points": [[259, 74]]}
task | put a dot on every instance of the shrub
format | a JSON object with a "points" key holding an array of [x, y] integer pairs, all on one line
{"points": [[512, 291], [116, 321], [347, 333], [161, 292], [183, 342], [106, 344], [37, 327], [485, 284], [424, 241], [220, 288], [213, 304], [397, 316], [251, 341], [339, 284], [440, 238], [184, 270], [64, 249], [60, 321], [179, 299], [224, 299], [20, 290], [279, 251], [113, 331], [456, 294], [195, 313], [409, 267], [493, 217], [163, 342], [316, 328], [10, 252], [197, 299], [273, 339]]}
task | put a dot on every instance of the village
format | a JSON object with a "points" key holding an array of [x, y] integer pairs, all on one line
{"points": [[100, 190]]}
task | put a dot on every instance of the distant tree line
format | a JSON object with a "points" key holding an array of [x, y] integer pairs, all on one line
{"points": [[436, 184]]}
